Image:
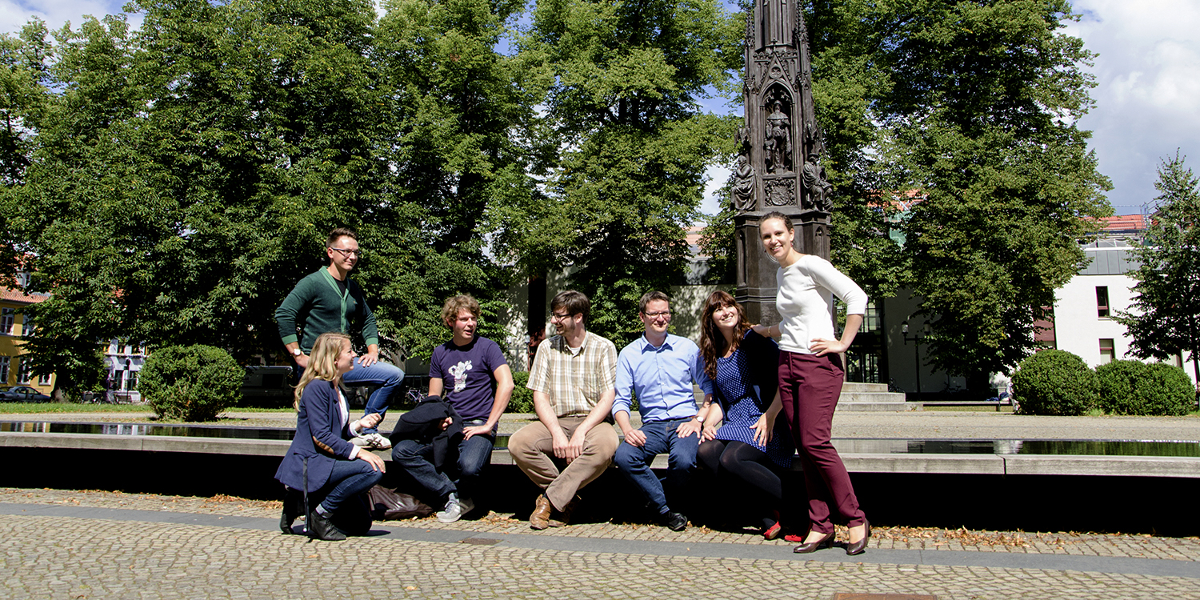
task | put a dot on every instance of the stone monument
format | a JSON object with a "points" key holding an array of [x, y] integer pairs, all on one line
{"points": [[779, 151]]}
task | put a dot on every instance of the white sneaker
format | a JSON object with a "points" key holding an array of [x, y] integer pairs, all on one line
{"points": [[372, 441], [453, 511]]}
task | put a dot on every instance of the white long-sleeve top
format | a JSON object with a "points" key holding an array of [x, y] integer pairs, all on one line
{"points": [[805, 301]]}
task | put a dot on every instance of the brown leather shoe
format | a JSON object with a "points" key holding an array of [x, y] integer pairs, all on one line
{"points": [[860, 546], [560, 518], [824, 542], [540, 517]]}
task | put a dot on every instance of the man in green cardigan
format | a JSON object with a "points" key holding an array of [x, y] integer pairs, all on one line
{"points": [[329, 301]]}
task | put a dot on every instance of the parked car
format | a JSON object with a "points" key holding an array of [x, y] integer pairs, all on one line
{"points": [[22, 393]]}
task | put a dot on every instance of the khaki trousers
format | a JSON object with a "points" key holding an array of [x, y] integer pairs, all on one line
{"points": [[532, 449]]}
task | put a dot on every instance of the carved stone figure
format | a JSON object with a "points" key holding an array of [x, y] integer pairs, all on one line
{"points": [[778, 142], [815, 183], [742, 195]]}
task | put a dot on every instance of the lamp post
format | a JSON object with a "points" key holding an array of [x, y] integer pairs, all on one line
{"points": [[916, 338]]}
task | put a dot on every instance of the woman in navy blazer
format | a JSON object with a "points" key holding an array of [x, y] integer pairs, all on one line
{"points": [[320, 448]]}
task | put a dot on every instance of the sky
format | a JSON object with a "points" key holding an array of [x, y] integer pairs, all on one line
{"points": [[1147, 92]]}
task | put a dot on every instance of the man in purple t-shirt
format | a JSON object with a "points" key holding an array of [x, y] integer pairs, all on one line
{"points": [[470, 373]]}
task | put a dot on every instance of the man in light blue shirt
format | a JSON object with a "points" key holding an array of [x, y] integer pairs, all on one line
{"points": [[659, 369]]}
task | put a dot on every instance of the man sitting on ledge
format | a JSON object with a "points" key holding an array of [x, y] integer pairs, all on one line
{"points": [[572, 381], [660, 368], [471, 374]]}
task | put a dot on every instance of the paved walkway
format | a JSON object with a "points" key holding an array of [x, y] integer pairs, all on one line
{"points": [[78, 545]]}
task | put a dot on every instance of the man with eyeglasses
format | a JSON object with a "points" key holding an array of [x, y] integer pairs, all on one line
{"points": [[328, 301], [572, 380], [659, 369]]}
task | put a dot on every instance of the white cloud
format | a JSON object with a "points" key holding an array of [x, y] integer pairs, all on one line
{"points": [[14, 14], [1148, 89]]}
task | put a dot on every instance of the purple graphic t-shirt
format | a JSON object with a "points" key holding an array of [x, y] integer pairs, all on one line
{"points": [[467, 376]]}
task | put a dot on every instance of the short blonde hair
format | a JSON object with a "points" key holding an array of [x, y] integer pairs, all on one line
{"points": [[457, 304], [322, 361]]}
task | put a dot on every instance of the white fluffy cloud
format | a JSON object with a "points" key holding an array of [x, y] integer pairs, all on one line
{"points": [[14, 14], [1147, 92]]}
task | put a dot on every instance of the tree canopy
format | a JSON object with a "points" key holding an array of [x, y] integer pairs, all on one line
{"points": [[1163, 321], [972, 108], [171, 184]]}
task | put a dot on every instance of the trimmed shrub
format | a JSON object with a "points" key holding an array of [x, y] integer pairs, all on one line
{"points": [[522, 397], [1118, 381], [191, 383], [1166, 391], [1130, 387], [1054, 382]]}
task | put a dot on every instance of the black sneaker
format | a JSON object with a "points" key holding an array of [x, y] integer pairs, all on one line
{"points": [[673, 520]]}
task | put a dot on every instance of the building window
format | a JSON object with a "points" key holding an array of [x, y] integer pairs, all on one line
{"points": [[27, 325], [5, 365], [131, 381], [43, 379], [1102, 301], [25, 371], [7, 316], [1107, 352]]}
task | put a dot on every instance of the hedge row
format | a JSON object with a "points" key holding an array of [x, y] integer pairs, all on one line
{"points": [[1056, 382]]}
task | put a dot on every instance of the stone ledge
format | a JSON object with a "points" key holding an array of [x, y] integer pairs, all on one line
{"points": [[856, 462]]}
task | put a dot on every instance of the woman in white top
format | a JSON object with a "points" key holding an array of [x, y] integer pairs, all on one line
{"points": [[810, 376]]}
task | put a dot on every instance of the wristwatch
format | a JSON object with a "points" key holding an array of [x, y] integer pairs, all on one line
{"points": [[296, 352]]}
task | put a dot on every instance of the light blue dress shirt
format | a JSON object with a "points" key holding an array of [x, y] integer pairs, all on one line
{"points": [[661, 377]]}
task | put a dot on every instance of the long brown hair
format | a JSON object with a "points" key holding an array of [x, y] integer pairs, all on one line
{"points": [[322, 361], [712, 341]]}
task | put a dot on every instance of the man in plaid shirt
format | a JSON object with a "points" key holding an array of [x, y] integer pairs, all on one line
{"points": [[573, 379]]}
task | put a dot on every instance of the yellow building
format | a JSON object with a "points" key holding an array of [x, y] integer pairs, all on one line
{"points": [[15, 326]]}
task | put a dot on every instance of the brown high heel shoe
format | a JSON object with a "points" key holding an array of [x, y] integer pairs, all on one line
{"points": [[824, 542], [860, 546]]}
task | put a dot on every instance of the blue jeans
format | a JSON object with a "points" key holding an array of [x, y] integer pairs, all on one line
{"points": [[349, 478], [388, 377], [417, 460], [635, 462]]}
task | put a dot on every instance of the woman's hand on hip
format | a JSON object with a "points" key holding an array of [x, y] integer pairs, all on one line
{"points": [[822, 346]]}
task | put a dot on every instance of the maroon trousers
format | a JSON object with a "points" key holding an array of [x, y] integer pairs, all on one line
{"points": [[809, 387]]}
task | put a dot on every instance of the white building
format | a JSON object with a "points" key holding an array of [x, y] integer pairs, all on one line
{"points": [[1084, 307]]}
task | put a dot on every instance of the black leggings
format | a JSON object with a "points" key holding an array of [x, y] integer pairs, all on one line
{"points": [[747, 463]]}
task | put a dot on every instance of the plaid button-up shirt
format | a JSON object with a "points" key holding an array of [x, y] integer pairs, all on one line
{"points": [[574, 382]]}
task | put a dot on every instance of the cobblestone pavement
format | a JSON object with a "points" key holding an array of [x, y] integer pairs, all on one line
{"points": [[81, 558], [889, 538]]}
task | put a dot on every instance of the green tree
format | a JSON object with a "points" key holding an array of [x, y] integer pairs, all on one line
{"points": [[973, 105], [1163, 317], [633, 143]]}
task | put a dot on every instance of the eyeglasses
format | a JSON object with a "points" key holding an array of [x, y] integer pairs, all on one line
{"points": [[558, 317], [348, 253], [655, 315]]}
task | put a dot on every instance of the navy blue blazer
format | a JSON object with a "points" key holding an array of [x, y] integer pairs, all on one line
{"points": [[320, 437]]}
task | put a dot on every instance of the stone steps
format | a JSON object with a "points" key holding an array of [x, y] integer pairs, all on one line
{"points": [[872, 397]]}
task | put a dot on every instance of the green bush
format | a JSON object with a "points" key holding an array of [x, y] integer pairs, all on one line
{"points": [[1054, 382], [191, 383], [1117, 383], [1167, 391], [1130, 387], [522, 397]]}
